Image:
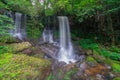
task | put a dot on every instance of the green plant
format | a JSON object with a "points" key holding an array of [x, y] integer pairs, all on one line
{"points": [[5, 25], [89, 44], [3, 49], [34, 33], [114, 49], [34, 29]]}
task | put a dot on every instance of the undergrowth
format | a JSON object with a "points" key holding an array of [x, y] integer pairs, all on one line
{"points": [[112, 52]]}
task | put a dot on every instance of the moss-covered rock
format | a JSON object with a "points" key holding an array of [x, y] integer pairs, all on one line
{"points": [[19, 46], [7, 39], [91, 60], [116, 67], [23, 67], [117, 78], [98, 57]]}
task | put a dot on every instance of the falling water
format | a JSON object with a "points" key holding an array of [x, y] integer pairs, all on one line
{"points": [[66, 52], [19, 30], [47, 36]]}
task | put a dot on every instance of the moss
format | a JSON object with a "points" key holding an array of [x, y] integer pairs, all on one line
{"points": [[23, 67], [7, 39], [116, 67], [19, 46], [91, 60], [98, 57], [117, 78], [114, 64]]}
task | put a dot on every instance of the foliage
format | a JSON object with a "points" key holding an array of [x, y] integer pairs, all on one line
{"points": [[3, 6], [114, 49], [34, 33], [7, 39], [89, 44], [25, 6], [34, 27], [22, 67], [111, 6], [5, 25], [3, 49]]}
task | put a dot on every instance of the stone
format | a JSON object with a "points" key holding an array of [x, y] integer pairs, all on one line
{"points": [[17, 47], [68, 67], [95, 70], [83, 66], [91, 61]]}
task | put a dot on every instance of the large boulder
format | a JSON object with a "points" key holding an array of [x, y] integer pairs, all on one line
{"points": [[19, 46], [23, 67]]}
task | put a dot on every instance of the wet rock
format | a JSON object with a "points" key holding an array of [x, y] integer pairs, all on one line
{"points": [[81, 58], [57, 65], [108, 76], [68, 67], [61, 64], [50, 50], [27, 51], [34, 51], [80, 51], [98, 69], [83, 66], [37, 52]]}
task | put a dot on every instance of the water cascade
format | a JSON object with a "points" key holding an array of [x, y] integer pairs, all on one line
{"points": [[20, 23], [47, 35], [66, 52]]}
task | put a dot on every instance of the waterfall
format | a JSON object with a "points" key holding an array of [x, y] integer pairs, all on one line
{"points": [[47, 36], [66, 52], [20, 23]]}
